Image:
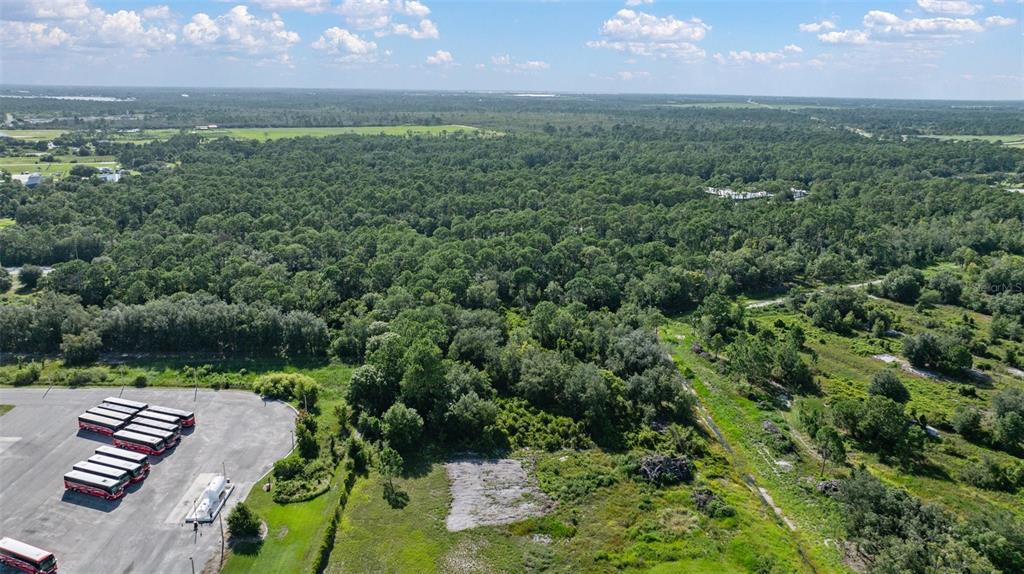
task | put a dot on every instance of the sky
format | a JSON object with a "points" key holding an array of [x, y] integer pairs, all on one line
{"points": [[930, 49]]}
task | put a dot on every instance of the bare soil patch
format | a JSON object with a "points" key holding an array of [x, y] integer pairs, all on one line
{"points": [[488, 492]]}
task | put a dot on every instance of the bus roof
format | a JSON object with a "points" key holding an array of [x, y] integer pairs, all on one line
{"points": [[109, 413], [151, 414], [91, 479], [162, 425], [170, 411], [93, 468], [94, 418], [125, 402], [122, 453], [119, 408], [22, 549], [138, 437], [143, 429], [115, 462]]}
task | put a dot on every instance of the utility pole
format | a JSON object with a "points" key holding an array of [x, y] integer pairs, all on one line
{"points": [[193, 563], [220, 515]]}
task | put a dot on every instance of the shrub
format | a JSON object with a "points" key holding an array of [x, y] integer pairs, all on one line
{"points": [[403, 427], [26, 376], [288, 468], [140, 381], [81, 349], [887, 384], [29, 276], [288, 386], [967, 422], [5, 281], [243, 522]]}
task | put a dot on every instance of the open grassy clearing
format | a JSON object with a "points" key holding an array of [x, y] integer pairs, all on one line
{"points": [[60, 167], [740, 421], [6, 222], [604, 522], [31, 135]]}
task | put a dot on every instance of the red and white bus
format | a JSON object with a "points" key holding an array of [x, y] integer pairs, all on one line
{"points": [[98, 424], [94, 485], [118, 408], [164, 426], [139, 442], [26, 557], [129, 455], [186, 418], [126, 403], [109, 414], [152, 416], [136, 471], [170, 439], [118, 474]]}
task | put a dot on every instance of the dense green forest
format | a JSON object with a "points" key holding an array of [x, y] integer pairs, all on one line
{"points": [[507, 290]]}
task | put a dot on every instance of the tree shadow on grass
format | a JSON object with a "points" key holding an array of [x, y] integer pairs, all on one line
{"points": [[395, 497], [247, 547]]}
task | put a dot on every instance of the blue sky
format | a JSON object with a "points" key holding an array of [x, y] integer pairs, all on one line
{"points": [[963, 49]]}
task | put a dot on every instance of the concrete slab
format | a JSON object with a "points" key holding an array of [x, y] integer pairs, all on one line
{"points": [[235, 429]]}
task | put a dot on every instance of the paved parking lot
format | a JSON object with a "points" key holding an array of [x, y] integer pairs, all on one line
{"points": [[144, 532]]}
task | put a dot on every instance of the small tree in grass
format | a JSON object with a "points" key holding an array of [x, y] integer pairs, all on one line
{"points": [[243, 522], [390, 464], [830, 446]]}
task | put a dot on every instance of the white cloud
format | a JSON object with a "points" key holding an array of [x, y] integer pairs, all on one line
{"points": [[426, 30], [238, 30], [643, 34], [534, 65], [32, 36], [162, 12], [387, 17], [33, 25], [954, 7], [815, 27], [441, 58], [1000, 21], [508, 63], [638, 3], [881, 23], [633, 25], [628, 75], [347, 46], [311, 6], [748, 57], [844, 37]]}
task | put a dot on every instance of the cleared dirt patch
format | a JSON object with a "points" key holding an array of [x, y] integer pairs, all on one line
{"points": [[487, 492]]}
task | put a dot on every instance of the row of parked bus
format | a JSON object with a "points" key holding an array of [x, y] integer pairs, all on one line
{"points": [[138, 430], [108, 472]]}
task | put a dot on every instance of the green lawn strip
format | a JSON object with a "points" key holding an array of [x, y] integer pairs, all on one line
{"points": [[740, 421], [4, 409], [31, 135], [6, 222]]}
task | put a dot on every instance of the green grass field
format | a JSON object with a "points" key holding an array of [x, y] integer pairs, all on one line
{"points": [[31, 135], [6, 222], [4, 409], [1012, 140], [59, 168]]}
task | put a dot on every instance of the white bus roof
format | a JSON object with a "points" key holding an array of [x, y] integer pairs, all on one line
{"points": [[153, 431], [115, 462], [102, 420], [119, 408], [109, 413], [162, 425], [22, 549], [122, 453], [169, 410], [101, 470], [151, 414], [90, 478], [138, 437], [125, 402]]}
